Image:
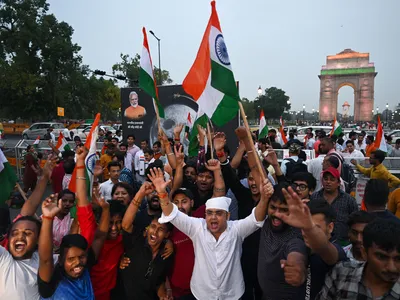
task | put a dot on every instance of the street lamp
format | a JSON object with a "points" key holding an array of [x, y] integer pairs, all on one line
{"points": [[304, 111], [387, 110], [159, 55], [259, 91]]}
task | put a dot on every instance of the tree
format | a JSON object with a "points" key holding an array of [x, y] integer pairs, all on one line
{"points": [[130, 68], [249, 109], [274, 102]]}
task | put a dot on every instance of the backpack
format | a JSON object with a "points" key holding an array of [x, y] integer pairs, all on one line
{"points": [[347, 174], [293, 167], [47, 136]]}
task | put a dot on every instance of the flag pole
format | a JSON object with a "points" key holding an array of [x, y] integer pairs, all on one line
{"points": [[158, 116], [253, 149], [210, 142]]}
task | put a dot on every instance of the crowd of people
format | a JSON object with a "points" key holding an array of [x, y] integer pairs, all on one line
{"points": [[161, 225]]}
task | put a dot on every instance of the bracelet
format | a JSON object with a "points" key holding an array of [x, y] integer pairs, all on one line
{"points": [[48, 218], [220, 153], [177, 140], [136, 203], [82, 178], [165, 204], [249, 151], [225, 162], [172, 153], [79, 167], [162, 195]]}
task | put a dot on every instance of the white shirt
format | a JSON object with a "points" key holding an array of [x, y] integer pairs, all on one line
{"points": [[136, 161], [354, 154], [285, 161], [314, 167], [217, 272], [310, 143], [18, 278], [358, 147], [106, 188], [53, 137], [128, 161]]}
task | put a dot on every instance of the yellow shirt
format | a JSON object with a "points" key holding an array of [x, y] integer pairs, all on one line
{"points": [[135, 112], [394, 202], [380, 172], [105, 159]]}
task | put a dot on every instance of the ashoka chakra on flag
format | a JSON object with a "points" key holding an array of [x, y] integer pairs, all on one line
{"points": [[221, 50]]}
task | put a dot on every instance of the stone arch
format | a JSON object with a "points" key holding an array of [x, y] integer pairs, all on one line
{"points": [[347, 68]]}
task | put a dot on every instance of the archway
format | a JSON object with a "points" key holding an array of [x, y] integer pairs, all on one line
{"points": [[347, 68], [346, 95]]}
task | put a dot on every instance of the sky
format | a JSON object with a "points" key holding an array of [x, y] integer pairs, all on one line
{"points": [[270, 43]]}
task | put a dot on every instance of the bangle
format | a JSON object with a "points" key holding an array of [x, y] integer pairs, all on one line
{"points": [[137, 203], [48, 218], [249, 151], [162, 195], [177, 140], [172, 153], [165, 204], [220, 153], [225, 162], [82, 178], [79, 167]]}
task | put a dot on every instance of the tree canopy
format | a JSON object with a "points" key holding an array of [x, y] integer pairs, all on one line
{"points": [[274, 102]]}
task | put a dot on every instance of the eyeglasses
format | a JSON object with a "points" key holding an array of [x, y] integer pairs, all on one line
{"points": [[218, 213], [301, 187], [149, 271]]}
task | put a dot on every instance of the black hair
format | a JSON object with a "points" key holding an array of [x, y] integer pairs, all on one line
{"points": [[144, 140], [379, 155], [376, 193], [148, 151], [307, 177], [272, 130], [278, 196], [350, 142], [340, 141], [329, 140], [120, 156], [124, 185], [156, 164], [291, 135], [113, 164], [131, 135], [351, 134], [371, 138], [67, 153], [322, 133], [190, 164], [65, 192], [388, 138], [363, 133], [263, 141], [77, 138], [169, 225], [115, 138], [27, 218], [157, 143], [117, 131], [28, 147], [322, 207], [333, 161], [384, 233], [398, 141], [69, 166], [360, 217], [203, 169], [311, 134], [123, 145], [117, 209], [72, 240]]}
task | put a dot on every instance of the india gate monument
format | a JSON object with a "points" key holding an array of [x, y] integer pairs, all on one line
{"points": [[349, 68]]}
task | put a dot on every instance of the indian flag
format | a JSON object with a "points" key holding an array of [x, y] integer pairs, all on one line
{"points": [[263, 128], [336, 128], [146, 76], [210, 80], [188, 123], [201, 120], [8, 178], [62, 144], [282, 131], [91, 158], [36, 142], [380, 142]]}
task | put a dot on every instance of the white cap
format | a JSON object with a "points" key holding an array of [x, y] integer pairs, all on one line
{"points": [[219, 203]]}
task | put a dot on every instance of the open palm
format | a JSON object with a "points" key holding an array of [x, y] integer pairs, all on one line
{"points": [[157, 178], [50, 207]]}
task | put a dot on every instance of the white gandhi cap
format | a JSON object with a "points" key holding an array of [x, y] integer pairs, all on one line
{"points": [[219, 203]]}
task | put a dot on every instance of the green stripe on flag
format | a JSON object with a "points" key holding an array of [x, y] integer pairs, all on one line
{"points": [[263, 133], [147, 84], [226, 110], [222, 79], [193, 140]]}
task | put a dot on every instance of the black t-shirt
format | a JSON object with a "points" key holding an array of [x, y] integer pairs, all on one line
{"points": [[317, 270], [144, 275], [385, 214], [142, 219]]}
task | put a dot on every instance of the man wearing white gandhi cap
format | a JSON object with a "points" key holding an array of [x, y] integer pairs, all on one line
{"points": [[217, 242]]}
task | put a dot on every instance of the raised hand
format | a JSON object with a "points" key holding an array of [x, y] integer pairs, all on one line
{"points": [[241, 133], [81, 153], [179, 156], [162, 137], [157, 178], [49, 166], [219, 141], [299, 214], [146, 189], [353, 161], [213, 165], [98, 169], [177, 130], [271, 158], [201, 130], [51, 207], [266, 189]]}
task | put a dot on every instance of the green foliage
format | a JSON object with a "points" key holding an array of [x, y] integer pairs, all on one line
{"points": [[250, 110], [274, 102], [130, 67]]}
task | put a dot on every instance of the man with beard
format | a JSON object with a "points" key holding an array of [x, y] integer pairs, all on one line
{"points": [[217, 272], [316, 223], [341, 202], [19, 265], [357, 222], [144, 278], [376, 278], [283, 254], [182, 269]]}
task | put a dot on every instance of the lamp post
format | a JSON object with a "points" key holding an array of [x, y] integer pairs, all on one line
{"points": [[259, 91], [313, 110], [304, 111], [387, 110], [159, 55]]}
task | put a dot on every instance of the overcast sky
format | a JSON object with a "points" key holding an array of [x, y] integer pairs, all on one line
{"points": [[271, 43]]}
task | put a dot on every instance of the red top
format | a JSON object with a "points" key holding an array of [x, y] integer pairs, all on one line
{"points": [[104, 273], [184, 259], [316, 145], [57, 176], [87, 222]]}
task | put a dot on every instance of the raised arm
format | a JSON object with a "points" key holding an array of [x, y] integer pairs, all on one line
{"points": [[219, 184], [31, 205], [300, 217], [178, 177], [102, 230], [266, 190], [130, 214], [162, 137], [46, 264], [235, 163]]}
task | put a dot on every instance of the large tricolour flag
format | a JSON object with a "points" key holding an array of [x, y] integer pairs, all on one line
{"points": [[336, 128], [146, 75], [201, 120], [380, 142], [210, 80], [282, 131], [91, 158], [62, 144], [8, 179], [263, 128]]}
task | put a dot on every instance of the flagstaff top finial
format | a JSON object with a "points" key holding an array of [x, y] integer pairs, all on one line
{"points": [[213, 4]]}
